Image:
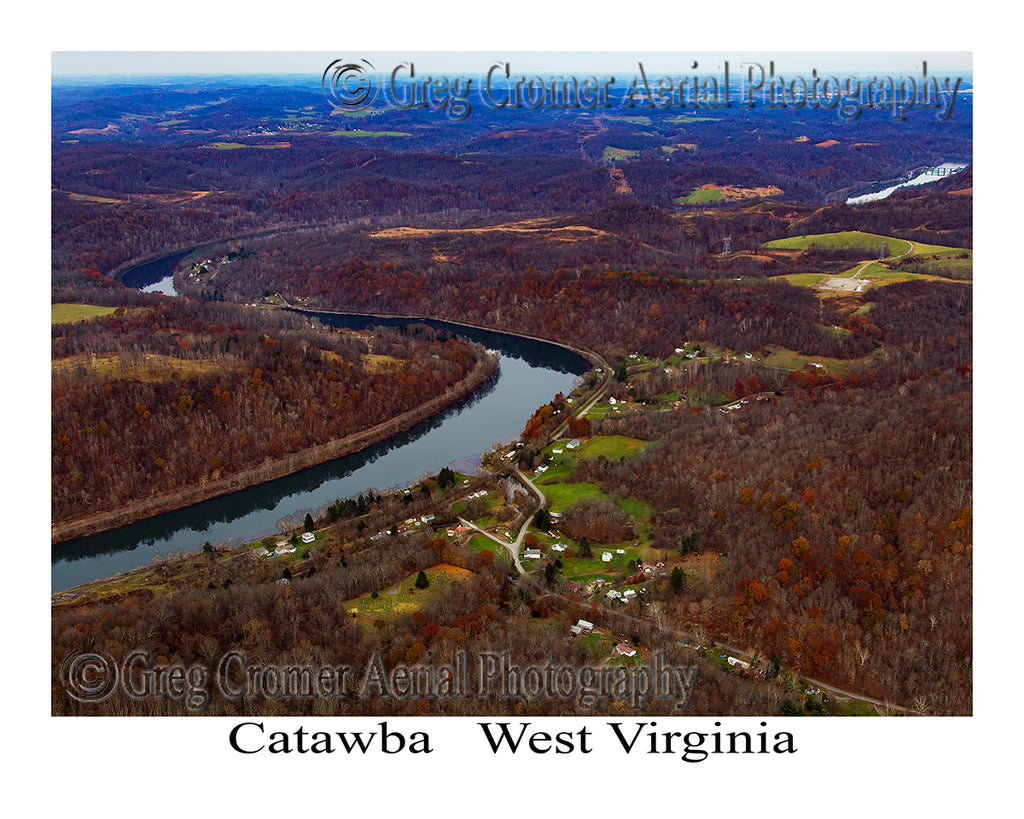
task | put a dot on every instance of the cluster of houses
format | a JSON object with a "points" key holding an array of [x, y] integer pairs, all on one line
{"points": [[282, 547], [585, 627], [623, 596]]}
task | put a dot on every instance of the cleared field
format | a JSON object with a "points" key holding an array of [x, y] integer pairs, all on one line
{"points": [[803, 279], [63, 313], [377, 363], [701, 196], [148, 367], [940, 250], [636, 120], [870, 243], [880, 274], [357, 133], [786, 359], [684, 119], [612, 447], [542, 228], [407, 598], [611, 153], [564, 495], [726, 193]]}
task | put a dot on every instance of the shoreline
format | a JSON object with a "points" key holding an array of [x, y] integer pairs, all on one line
{"points": [[483, 371]]}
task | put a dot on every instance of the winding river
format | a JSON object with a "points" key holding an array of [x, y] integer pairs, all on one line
{"points": [[530, 374]]}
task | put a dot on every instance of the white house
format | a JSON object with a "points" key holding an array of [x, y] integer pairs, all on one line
{"points": [[584, 625], [308, 537]]}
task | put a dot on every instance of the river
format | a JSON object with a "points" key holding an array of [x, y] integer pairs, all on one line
{"points": [[530, 374], [881, 190]]}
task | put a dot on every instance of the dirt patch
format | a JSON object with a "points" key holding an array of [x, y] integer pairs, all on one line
{"points": [[850, 285], [731, 193], [527, 227], [828, 143]]}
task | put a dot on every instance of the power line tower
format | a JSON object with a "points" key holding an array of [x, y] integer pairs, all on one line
{"points": [[727, 244]]}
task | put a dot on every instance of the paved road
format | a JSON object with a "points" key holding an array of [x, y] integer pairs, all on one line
{"points": [[513, 549]]}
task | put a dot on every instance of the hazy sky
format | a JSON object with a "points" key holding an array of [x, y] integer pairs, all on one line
{"points": [[314, 62]]}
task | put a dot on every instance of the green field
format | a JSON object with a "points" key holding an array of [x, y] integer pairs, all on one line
{"points": [[612, 447], [870, 243], [611, 153], [225, 146], [70, 313], [803, 279], [684, 119], [408, 598], [357, 133], [700, 197], [635, 120], [479, 542], [564, 495], [686, 146], [880, 274], [789, 360]]}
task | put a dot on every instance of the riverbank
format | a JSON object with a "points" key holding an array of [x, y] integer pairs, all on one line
{"points": [[483, 371]]}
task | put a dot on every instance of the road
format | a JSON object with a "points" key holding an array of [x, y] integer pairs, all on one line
{"points": [[513, 549]]}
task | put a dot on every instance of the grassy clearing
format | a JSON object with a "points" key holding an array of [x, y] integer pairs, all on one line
{"points": [[635, 120], [358, 133], [613, 154], [921, 249], [880, 274], [870, 243], [63, 313], [408, 598], [684, 119], [612, 447], [803, 279], [102, 200], [700, 196], [479, 543], [564, 495], [684, 146], [149, 367], [786, 359], [377, 363], [225, 146]]}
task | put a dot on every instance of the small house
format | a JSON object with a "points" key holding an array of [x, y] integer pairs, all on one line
{"points": [[307, 537]]}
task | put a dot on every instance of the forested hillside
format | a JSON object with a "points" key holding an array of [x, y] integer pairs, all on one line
{"points": [[165, 395]]}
